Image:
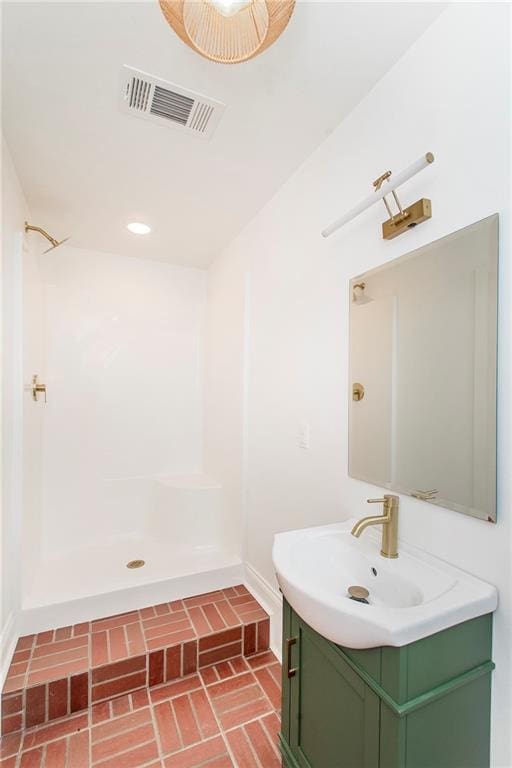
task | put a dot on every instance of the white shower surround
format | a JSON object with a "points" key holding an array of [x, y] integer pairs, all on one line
{"points": [[121, 455]]}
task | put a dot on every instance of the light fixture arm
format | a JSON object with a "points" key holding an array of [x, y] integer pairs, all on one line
{"points": [[381, 190]]}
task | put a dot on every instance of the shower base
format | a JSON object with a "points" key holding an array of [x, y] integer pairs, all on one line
{"points": [[95, 581]]}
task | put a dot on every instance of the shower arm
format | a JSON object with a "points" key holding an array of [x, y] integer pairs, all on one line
{"points": [[32, 228]]}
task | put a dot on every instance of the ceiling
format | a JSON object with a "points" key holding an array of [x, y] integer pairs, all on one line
{"points": [[87, 168]]}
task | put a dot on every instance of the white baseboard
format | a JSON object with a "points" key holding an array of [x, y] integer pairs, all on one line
{"points": [[271, 600], [8, 640]]}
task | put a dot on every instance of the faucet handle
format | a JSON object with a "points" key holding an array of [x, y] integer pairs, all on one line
{"points": [[376, 501], [37, 387]]}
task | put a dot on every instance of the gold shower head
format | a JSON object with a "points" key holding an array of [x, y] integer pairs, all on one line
{"points": [[54, 243]]}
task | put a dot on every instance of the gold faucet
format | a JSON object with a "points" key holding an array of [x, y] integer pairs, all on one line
{"points": [[389, 522]]}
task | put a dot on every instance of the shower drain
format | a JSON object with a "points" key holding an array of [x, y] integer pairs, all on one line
{"points": [[135, 563]]}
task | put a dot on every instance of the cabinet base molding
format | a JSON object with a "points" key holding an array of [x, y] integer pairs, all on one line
{"points": [[288, 759]]}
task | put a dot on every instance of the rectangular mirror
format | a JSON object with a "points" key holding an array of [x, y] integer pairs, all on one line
{"points": [[422, 394]]}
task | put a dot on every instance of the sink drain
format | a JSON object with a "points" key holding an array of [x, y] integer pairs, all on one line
{"points": [[135, 563], [359, 594]]}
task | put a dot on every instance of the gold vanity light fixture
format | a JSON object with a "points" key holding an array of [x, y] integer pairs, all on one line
{"points": [[54, 243], [404, 218], [228, 31]]}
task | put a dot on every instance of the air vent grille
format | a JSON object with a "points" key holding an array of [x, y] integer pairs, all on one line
{"points": [[139, 93], [201, 116], [163, 102], [170, 105]]}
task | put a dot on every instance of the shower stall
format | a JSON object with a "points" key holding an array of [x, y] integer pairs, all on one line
{"points": [[123, 510]]}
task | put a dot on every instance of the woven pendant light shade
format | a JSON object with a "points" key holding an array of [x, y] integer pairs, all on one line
{"points": [[228, 39]]}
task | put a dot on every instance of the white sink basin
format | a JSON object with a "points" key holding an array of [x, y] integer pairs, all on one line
{"points": [[411, 597]]}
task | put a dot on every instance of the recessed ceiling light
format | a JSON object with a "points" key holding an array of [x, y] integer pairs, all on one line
{"points": [[138, 228]]}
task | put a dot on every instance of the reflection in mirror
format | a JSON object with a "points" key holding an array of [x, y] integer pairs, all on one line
{"points": [[423, 372]]}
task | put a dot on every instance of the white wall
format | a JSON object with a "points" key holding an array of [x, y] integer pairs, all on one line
{"points": [[33, 412], [450, 95], [21, 424], [14, 211], [124, 365], [223, 423]]}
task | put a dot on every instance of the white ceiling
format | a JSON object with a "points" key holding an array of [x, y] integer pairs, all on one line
{"points": [[87, 168]]}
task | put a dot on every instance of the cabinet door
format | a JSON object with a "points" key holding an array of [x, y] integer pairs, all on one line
{"points": [[334, 716]]}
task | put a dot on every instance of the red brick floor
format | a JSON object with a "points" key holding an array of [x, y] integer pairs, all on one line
{"points": [[62, 671], [226, 715], [69, 651]]}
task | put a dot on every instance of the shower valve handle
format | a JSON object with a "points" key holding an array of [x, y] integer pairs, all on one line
{"points": [[36, 388]]}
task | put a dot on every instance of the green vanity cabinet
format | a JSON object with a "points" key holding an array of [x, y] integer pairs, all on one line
{"points": [[425, 705]]}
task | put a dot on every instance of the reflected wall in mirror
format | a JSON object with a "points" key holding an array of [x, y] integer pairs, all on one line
{"points": [[422, 395]]}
